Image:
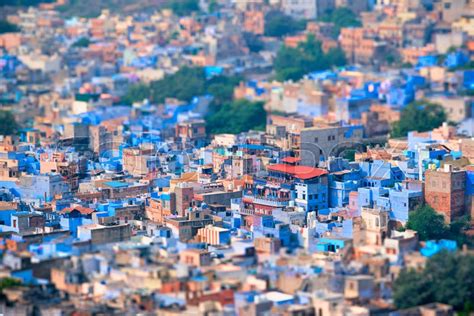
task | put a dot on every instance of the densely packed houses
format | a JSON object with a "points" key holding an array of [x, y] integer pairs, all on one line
{"points": [[109, 207]]}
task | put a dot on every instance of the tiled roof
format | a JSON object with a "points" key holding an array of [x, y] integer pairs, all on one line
{"points": [[299, 172]]}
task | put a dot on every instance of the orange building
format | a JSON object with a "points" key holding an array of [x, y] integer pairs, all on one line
{"points": [[254, 22]]}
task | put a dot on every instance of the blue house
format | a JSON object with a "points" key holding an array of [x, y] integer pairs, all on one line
{"points": [[353, 106], [432, 247], [73, 217], [331, 244], [341, 184], [37, 188], [404, 199], [427, 61], [269, 228], [468, 80], [380, 173], [6, 216], [456, 59], [401, 96], [470, 187]]}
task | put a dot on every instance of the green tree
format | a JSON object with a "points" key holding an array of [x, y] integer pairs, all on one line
{"points": [[447, 278], [390, 59], [419, 116], [8, 124], [429, 224], [412, 289], [213, 6], [336, 57], [222, 88], [289, 64], [93, 8], [7, 27], [294, 62], [457, 229], [136, 93], [253, 42], [278, 24], [236, 117], [340, 17], [23, 3], [171, 86], [183, 7], [82, 42], [8, 282]]}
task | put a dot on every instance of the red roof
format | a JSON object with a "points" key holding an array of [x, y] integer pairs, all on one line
{"points": [[300, 172], [291, 160]]}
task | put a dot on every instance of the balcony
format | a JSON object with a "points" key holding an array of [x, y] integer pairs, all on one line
{"points": [[270, 201], [246, 211]]}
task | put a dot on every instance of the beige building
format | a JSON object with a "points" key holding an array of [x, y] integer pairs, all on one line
{"points": [[213, 235], [325, 141], [140, 161], [195, 257], [101, 234], [457, 108], [374, 228]]}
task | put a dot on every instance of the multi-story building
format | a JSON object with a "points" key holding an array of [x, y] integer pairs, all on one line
{"points": [[186, 227], [254, 22], [470, 192], [307, 186], [306, 9], [101, 234], [445, 191], [156, 212], [68, 166], [404, 198], [374, 226], [320, 142], [451, 10], [214, 235], [457, 108], [191, 133], [44, 188], [184, 198], [361, 49], [140, 161]]}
